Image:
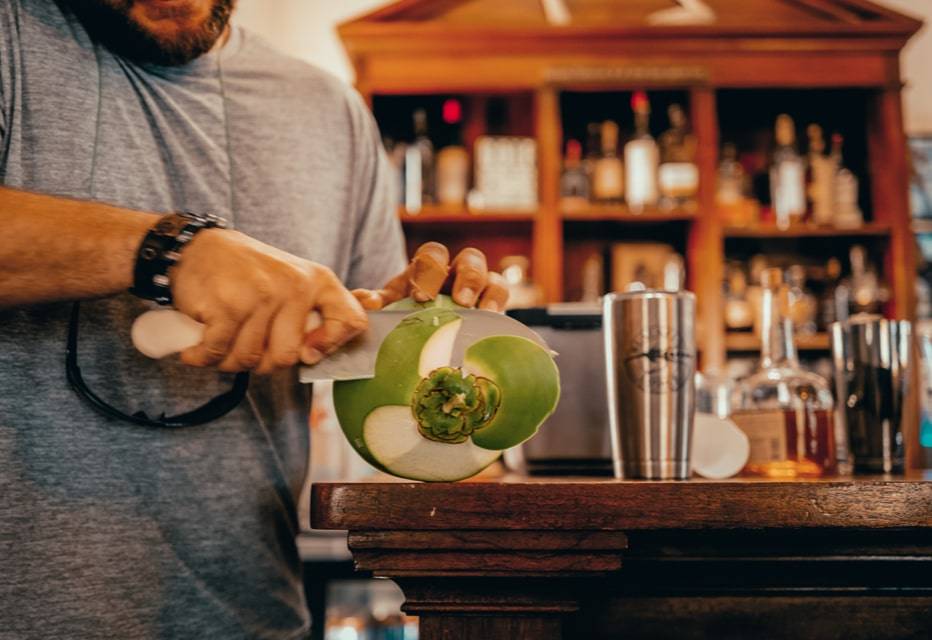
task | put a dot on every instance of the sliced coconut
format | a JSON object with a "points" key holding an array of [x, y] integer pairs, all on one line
{"points": [[392, 437], [438, 350]]}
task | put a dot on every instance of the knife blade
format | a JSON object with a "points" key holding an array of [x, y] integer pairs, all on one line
{"points": [[356, 359], [163, 332]]}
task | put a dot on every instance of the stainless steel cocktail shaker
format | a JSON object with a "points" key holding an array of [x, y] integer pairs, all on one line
{"points": [[650, 347], [873, 365]]}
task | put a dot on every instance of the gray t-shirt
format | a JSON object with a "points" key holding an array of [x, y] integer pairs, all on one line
{"points": [[109, 530]]}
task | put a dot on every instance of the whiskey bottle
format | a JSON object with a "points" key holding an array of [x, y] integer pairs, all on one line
{"points": [[820, 178], [786, 412], [607, 173], [848, 214], [678, 175], [452, 164], [574, 183], [641, 159], [787, 175]]}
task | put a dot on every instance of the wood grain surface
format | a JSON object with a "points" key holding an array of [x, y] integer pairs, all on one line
{"points": [[564, 505]]}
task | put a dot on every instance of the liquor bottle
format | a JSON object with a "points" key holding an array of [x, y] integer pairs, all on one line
{"points": [[593, 152], [641, 159], [820, 178], [425, 149], [593, 278], [418, 167], [867, 292], [786, 412], [678, 175], [787, 175], [574, 183], [739, 314], [732, 189], [803, 308], [833, 304], [848, 214], [452, 177], [522, 293], [607, 172]]}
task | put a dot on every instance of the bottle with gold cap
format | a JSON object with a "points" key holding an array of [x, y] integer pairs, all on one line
{"points": [[786, 411], [787, 175], [607, 172]]}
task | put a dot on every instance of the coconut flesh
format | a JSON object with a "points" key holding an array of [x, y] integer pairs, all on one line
{"points": [[421, 418]]}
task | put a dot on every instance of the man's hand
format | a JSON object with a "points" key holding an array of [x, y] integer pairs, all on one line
{"points": [[428, 271], [255, 301]]}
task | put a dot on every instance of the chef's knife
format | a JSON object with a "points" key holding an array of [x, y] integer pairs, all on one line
{"points": [[162, 332]]}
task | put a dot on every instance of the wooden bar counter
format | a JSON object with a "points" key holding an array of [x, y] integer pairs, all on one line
{"points": [[573, 558]]}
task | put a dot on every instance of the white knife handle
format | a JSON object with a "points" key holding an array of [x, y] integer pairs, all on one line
{"points": [[163, 332]]}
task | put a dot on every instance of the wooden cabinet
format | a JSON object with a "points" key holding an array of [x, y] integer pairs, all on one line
{"points": [[734, 64]]}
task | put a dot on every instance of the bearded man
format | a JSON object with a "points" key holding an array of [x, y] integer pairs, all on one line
{"points": [[128, 127]]}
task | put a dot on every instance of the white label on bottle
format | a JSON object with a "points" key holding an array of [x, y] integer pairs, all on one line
{"points": [[766, 431], [678, 179], [641, 173]]}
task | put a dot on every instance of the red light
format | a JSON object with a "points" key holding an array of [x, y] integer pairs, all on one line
{"points": [[638, 101], [452, 111]]}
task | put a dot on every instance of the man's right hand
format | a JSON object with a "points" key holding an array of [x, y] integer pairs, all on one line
{"points": [[255, 300]]}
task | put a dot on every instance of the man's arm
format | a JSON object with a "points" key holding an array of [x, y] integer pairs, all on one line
{"points": [[60, 249], [254, 299]]}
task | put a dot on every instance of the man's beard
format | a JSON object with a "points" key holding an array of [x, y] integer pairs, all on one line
{"points": [[109, 23]]}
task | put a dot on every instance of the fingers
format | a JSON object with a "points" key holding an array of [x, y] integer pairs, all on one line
{"points": [[343, 319], [395, 289], [369, 299], [428, 271], [285, 337], [218, 337], [250, 343], [496, 293], [471, 276]]}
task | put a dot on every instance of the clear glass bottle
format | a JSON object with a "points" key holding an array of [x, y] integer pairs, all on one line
{"points": [[641, 159], [607, 171], [574, 183], [739, 315], [678, 175], [787, 175], [786, 412], [803, 308]]}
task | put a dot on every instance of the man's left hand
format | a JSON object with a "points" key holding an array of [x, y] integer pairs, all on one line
{"points": [[430, 269]]}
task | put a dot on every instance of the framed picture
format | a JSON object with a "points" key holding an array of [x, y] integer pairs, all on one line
{"points": [[920, 183]]}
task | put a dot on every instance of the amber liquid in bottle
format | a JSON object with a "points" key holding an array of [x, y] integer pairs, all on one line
{"points": [[786, 411]]}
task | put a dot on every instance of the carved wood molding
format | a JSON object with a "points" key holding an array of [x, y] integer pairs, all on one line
{"points": [[487, 552]]}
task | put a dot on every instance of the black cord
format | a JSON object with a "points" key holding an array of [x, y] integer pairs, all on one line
{"points": [[208, 412]]}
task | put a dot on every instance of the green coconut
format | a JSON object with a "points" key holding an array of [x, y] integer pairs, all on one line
{"points": [[423, 419], [442, 301]]}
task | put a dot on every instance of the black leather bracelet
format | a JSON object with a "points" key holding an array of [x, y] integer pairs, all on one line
{"points": [[161, 249]]}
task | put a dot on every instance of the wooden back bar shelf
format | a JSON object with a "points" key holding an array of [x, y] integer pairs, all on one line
{"points": [[834, 60], [564, 558]]}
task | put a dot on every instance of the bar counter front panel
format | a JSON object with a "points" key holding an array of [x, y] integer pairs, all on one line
{"points": [[573, 558]]}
